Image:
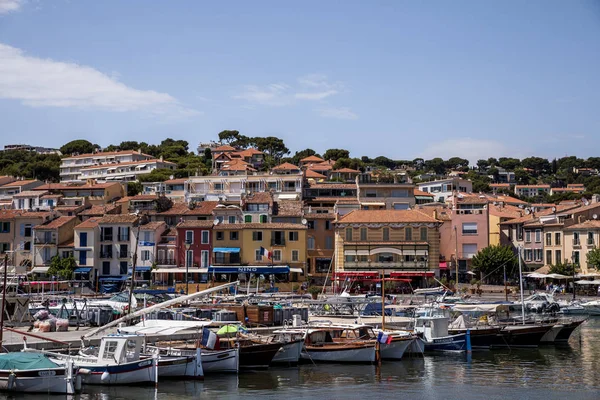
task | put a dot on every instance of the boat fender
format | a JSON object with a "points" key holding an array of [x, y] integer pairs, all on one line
{"points": [[78, 384], [11, 380], [105, 376], [84, 371]]}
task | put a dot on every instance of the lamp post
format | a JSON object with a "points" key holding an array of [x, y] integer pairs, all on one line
{"points": [[187, 267]]}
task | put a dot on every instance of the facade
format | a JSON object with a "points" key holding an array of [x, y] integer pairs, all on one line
{"points": [[124, 171], [71, 167], [11, 187], [174, 189], [194, 246], [532, 190], [397, 243], [48, 238], [91, 193], [579, 239], [386, 196], [444, 188], [31, 200], [115, 246], [86, 247], [320, 244]]}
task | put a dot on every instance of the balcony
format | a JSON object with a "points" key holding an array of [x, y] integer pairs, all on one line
{"points": [[123, 254], [106, 238], [166, 261], [123, 238], [278, 242], [105, 255], [44, 241]]}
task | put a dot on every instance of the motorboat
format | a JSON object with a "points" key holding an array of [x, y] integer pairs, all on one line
{"points": [[22, 372], [592, 307], [433, 330]]}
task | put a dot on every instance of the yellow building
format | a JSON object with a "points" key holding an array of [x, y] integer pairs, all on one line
{"points": [[580, 239], [237, 251], [499, 213]]}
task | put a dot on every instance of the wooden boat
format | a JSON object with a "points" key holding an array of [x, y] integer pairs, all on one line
{"points": [[179, 366], [291, 342], [568, 327], [523, 335], [35, 373], [253, 354], [401, 341], [213, 361], [320, 346]]}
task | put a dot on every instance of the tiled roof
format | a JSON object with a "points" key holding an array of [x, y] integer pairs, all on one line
{"points": [[237, 165], [106, 154], [288, 208], [347, 200], [193, 223], [422, 193], [531, 216], [100, 210], [440, 212], [385, 216], [55, 223], [500, 185], [177, 208], [203, 208], [19, 183], [51, 196], [30, 193], [314, 174], [505, 199], [589, 224], [177, 181], [313, 215], [506, 211], [143, 197], [152, 226], [35, 214], [247, 153], [312, 159], [62, 186], [88, 223], [324, 166], [224, 147], [259, 226], [332, 186], [532, 186], [259, 198], [9, 214], [124, 199], [68, 243], [285, 167], [170, 232], [471, 199], [118, 219], [347, 171]]}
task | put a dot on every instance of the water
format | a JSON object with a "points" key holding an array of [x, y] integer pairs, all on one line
{"points": [[571, 371]]}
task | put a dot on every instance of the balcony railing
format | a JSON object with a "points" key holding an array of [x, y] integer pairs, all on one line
{"points": [[576, 242], [123, 238], [123, 254], [45, 241], [105, 255], [106, 238], [165, 261], [278, 242]]}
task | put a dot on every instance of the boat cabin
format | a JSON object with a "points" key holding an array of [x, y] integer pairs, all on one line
{"points": [[117, 349], [432, 327]]}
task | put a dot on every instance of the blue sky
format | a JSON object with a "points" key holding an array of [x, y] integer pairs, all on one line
{"points": [[395, 78]]}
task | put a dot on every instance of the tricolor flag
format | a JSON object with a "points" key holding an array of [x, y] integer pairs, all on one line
{"points": [[210, 339], [384, 338], [266, 253]]}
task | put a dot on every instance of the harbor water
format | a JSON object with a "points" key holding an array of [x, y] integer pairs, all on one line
{"points": [[571, 371]]}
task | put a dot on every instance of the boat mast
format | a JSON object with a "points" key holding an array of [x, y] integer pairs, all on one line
{"points": [[134, 261], [3, 297], [521, 286], [383, 300]]}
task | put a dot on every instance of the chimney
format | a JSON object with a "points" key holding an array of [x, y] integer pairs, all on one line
{"points": [[435, 214], [595, 198]]}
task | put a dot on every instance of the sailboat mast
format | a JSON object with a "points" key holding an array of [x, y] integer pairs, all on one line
{"points": [[521, 286], [3, 297], [383, 300]]}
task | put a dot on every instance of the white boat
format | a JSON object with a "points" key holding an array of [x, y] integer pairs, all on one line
{"points": [[434, 333], [592, 307], [35, 373], [401, 340], [292, 343]]}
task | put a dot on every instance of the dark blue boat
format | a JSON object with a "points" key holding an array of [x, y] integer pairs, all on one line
{"points": [[434, 332]]}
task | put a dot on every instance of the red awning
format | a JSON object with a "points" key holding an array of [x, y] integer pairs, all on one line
{"points": [[444, 265], [399, 274], [357, 274]]}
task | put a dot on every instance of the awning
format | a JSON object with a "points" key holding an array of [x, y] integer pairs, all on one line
{"points": [[226, 250], [179, 271], [424, 197], [141, 166], [410, 273], [444, 265], [39, 270], [297, 270], [356, 252], [113, 278], [287, 196], [140, 268], [251, 269], [82, 270], [368, 203], [357, 274]]}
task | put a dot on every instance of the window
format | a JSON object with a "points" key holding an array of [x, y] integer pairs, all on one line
{"points": [[257, 236], [363, 234], [110, 350], [248, 219], [576, 257], [538, 236], [469, 250], [528, 254], [538, 255], [189, 237], [277, 238], [257, 255], [105, 267], [423, 234], [386, 234], [557, 239], [293, 236], [276, 255], [205, 237], [189, 258], [408, 234], [558, 256], [123, 234], [311, 224], [27, 231], [106, 251], [401, 206], [204, 259], [590, 238], [528, 236], [123, 253], [263, 219], [218, 186], [5, 227], [234, 235], [145, 255], [385, 257], [328, 242], [232, 219], [469, 228], [295, 255], [576, 239], [327, 225], [310, 243], [400, 193], [549, 240], [519, 232], [123, 268], [106, 234], [220, 235], [146, 235], [549, 256], [349, 258], [82, 257], [83, 239], [348, 234]]}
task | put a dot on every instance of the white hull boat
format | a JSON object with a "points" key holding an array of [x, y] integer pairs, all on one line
{"points": [[22, 379], [396, 349], [181, 367], [592, 307], [213, 361], [289, 353]]}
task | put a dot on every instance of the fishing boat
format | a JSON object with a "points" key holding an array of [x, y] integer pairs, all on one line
{"points": [[253, 354], [433, 330], [292, 342], [399, 343], [320, 346], [35, 373]]}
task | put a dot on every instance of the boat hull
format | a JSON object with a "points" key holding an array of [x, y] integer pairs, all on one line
{"points": [[213, 361], [566, 331], [258, 356], [396, 349], [340, 354], [447, 343], [481, 338], [48, 380], [523, 335], [136, 372], [289, 353], [550, 336], [177, 367]]}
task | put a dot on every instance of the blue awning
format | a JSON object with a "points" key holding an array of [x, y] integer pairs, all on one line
{"points": [[252, 269], [113, 278], [82, 270], [226, 250], [142, 268]]}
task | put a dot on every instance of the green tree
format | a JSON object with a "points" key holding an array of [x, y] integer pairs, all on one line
{"points": [[483, 164], [566, 269], [228, 136], [79, 146], [522, 177], [207, 154], [134, 188], [336, 154], [436, 165], [384, 162], [62, 267], [593, 258], [490, 262], [457, 163], [299, 155], [352, 163], [273, 147], [157, 175], [418, 163], [537, 164], [508, 163]]}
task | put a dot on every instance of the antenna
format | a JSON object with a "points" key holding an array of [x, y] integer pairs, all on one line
{"points": [[304, 221], [595, 216]]}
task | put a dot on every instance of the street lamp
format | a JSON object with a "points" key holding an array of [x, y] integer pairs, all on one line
{"points": [[187, 267]]}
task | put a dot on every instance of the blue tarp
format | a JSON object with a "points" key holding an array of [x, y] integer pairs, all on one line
{"points": [[252, 269], [142, 268], [83, 269], [226, 250]]}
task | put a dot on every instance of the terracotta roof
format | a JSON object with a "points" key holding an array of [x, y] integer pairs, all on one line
{"points": [[143, 197], [505, 199], [55, 223], [532, 186], [203, 208], [384, 216], [118, 219], [224, 147], [170, 232], [65, 207], [321, 166], [62, 186], [589, 224], [347, 200], [422, 193], [124, 199], [35, 214], [152, 226], [9, 214], [106, 154], [312, 159], [68, 243], [387, 243], [19, 183], [177, 208], [568, 189], [258, 226], [531, 216], [332, 186], [29, 193], [119, 164], [259, 198], [193, 223], [285, 167], [506, 211], [237, 165], [471, 199], [440, 212], [575, 185], [99, 210], [313, 215], [51, 196], [500, 185], [314, 174], [88, 223], [175, 181], [288, 208], [347, 171], [247, 153]]}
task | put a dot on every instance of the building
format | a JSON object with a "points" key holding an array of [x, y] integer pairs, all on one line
{"points": [[115, 245], [48, 238], [577, 189], [123, 171], [499, 213], [89, 194], [194, 248], [320, 243], [174, 189], [146, 240], [31, 200], [532, 190], [374, 195], [423, 197], [444, 188], [10, 187], [86, 249], [579, 240], [35, 149], [397, 243], [71, 167]]}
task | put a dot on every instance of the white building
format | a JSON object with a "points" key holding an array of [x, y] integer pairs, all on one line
{"points": [[443, 188]]}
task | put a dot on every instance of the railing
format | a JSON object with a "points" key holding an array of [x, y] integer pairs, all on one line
{"points": [[576, 242], [123, 254], [44, 241], [105, 255], [106, 238], [278, 242], [165, 261], [123, 238]]}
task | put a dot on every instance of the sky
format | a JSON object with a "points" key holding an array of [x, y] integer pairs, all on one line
{"points": [[402, 79]]}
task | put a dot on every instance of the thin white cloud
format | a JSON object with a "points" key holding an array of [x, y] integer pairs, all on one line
{"points": [[315, 96], [337, 112], [469, 148], [7, 6], [275, 94], [38, 82]]}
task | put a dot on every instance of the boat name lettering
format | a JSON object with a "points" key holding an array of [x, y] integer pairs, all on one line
{"points": [[144, 363], [46, 373], [437, 341]]}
